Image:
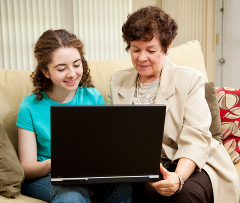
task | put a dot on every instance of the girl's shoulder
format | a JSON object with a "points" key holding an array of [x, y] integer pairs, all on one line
{"points": [[89, 90], [30, 98], [90, 95]]}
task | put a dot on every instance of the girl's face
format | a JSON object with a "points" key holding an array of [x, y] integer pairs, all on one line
{"points": [[65, 70], [148, 59]]}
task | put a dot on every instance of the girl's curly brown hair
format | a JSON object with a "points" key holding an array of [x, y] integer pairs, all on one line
{"points": [[48, 42], [147, 22]]}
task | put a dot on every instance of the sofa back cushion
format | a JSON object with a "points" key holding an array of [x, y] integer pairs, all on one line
{"points": [[101, 71], [189, 54], [15, 84]]}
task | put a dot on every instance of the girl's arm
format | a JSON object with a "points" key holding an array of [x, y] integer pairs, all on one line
{"points": [[27, 152]]}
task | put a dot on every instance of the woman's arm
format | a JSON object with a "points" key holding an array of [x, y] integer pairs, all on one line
{"points": [[171, 183], [27, 151], [185, 168]]}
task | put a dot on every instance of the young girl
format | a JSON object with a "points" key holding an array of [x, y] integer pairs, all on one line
{"points": [[62, 78]]}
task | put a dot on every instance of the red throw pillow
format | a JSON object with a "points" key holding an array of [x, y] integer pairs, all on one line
{"points": [[229, 104]]}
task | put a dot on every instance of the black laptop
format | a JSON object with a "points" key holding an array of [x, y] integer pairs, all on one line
{"points": [[106, 144]]}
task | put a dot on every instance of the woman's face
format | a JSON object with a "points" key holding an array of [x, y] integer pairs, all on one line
{"points": [[65, 70], [148, 59]]}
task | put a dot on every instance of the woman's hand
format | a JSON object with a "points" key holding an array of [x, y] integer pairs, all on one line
{"points": [[171, 182], [169, 185]]}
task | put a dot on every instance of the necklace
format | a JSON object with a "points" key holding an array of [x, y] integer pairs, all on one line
{"points": [[154, 94]]}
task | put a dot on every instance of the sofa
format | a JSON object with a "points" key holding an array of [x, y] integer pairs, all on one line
{"points": [[15, 85]]}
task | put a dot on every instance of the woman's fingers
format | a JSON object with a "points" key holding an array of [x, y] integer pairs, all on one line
{"points": [[162, 188], [169, 185], [165, 173]]}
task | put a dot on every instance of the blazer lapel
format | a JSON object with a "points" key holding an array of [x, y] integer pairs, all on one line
{"points": [[167, 85], [166, 89], [128, 88]]}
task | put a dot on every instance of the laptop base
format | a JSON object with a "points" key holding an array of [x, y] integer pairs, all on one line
{"points": [[79, 181]]}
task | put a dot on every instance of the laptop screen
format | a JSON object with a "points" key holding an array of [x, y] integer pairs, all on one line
{"points": [[106, 141]]}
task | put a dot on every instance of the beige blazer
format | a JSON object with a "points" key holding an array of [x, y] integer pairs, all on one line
{"points": [[188, 118]]}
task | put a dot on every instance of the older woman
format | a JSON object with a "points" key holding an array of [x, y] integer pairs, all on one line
{"points": [[195, 167]]}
